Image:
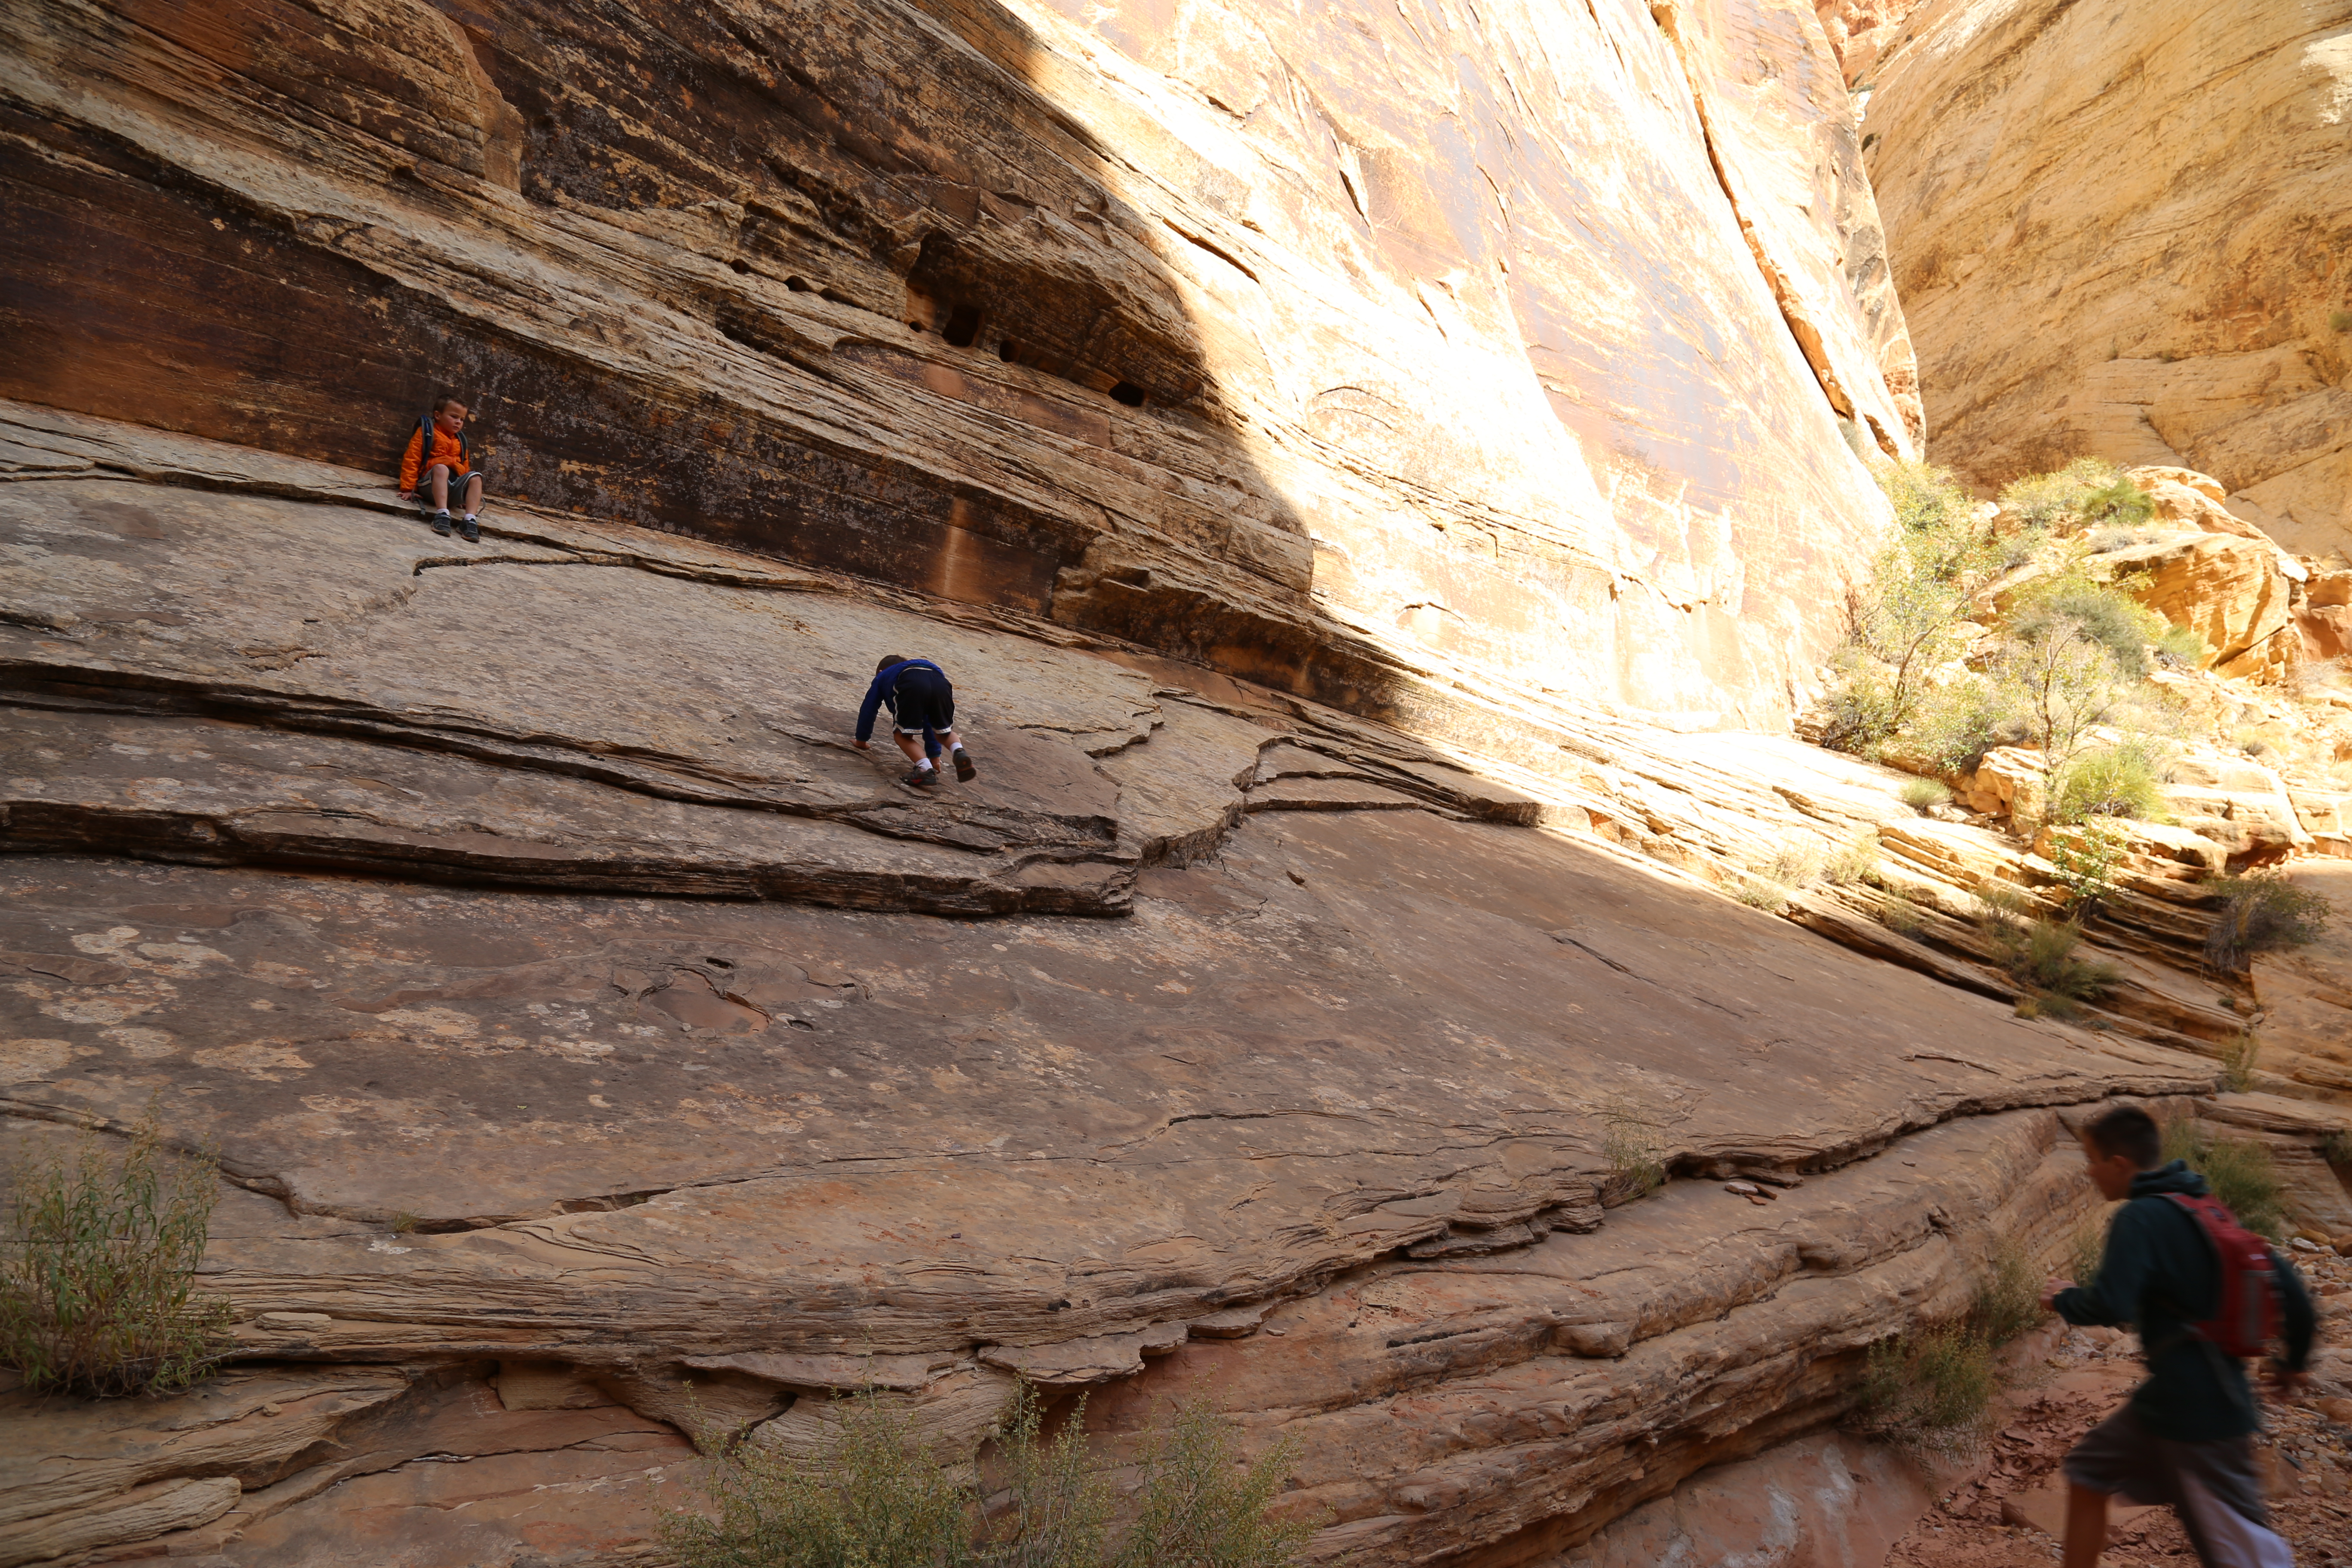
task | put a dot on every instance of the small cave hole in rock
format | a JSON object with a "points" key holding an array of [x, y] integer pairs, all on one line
{"points": [[799, 285], [1009, 351], [963, 326], [838, 297], [740, 265], [1127, 392]]}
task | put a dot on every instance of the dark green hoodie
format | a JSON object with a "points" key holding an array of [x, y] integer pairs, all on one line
{"points": [[2159, 1274]]}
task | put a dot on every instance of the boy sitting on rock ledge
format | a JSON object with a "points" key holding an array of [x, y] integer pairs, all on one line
{"points": [[2201, 1292], [434, 473], [922, 705]]}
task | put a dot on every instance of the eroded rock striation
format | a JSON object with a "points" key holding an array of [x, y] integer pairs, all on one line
{"points": [[1212, 1041], [1525, 333], [2107, 241]]}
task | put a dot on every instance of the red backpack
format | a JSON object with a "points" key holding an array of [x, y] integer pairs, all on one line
{"points": [[2250, 1313]]}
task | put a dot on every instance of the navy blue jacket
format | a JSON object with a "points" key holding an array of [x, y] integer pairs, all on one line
{"points": [[884, 693], [2159, 1274]]}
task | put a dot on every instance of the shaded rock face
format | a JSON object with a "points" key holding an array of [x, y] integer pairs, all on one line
{"points": [[1525, 335], [2105, 246], [1328, 1124]]}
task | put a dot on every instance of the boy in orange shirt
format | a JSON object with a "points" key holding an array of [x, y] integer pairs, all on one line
{"points": [[449, 461]]}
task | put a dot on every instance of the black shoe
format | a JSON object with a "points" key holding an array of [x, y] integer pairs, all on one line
{"points": [[922, 778], [440, 521], [965, 770], [471, 531]]}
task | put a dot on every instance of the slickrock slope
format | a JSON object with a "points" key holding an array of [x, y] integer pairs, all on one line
{"points": [[1526, 332], [1295, 1065], [2124, 230]]}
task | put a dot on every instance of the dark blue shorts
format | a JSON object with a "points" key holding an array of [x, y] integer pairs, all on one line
{"points": [[922, 700]]}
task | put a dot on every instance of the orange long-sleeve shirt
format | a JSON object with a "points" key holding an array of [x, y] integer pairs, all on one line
{"points": [[446, 448]]}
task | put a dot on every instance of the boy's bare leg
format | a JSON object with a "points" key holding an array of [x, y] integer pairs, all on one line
{"points": [[440, 478], [911, 744], [473, 493], [2086, 1527]]}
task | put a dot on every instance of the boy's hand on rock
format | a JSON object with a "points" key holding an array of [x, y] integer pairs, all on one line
{"points": [[859, 744], [2050, 1289]]}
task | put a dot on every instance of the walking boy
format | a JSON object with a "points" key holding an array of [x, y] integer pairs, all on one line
{"points": [[922, 705], [450, 462], [2184, 1437]]}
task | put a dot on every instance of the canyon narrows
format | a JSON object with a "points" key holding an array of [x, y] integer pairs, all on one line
{"points": [[1384, 482]]}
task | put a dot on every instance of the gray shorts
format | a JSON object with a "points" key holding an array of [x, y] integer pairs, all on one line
{"points": [[2213, 1487], [458, 483]]}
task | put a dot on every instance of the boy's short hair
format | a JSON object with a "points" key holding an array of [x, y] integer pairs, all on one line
{"points": [[2130, 1131], [444, 401], [887, 660]]}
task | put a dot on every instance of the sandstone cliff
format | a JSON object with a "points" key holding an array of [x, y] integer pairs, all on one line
{"points": [[2123, 231], [1354, 463], [1524, 332]]}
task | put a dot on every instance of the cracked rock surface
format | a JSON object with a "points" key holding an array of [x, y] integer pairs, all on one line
{"points": [[1331, 1123]]}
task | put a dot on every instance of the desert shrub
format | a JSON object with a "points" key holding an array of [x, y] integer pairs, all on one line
{"points": [[97, 1280], [2039, 955], [1202, 1508], [2118, 503], [2042, 501], [2262, 912], [1957, 724], [2183, 645], [1931, 1391], [2105, 614], [1924, 796], [2107, 540], [2340, 320], [2338, 1148], [2089, 1246], [1856, 860], [2240, 1170], [2121, 780], [1906, 620], [2083, 858], [2252, 743], [876, 1496], [1632, 1144], [1926, 500], [2008, 1299], [2239, 1057], [1902, 912], [1766, 884]]}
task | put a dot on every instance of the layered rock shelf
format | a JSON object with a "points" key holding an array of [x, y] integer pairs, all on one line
{"points": [[1384, 482], [1291, 1060]]}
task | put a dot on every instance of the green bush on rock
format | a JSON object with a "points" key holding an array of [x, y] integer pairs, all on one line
{"points": [[877, 1497], [98, 1273]]}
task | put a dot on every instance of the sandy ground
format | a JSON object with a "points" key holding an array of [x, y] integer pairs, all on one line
{"points": [[2307, 1449]]}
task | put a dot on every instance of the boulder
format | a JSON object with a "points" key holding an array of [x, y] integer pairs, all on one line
{"points": [[2228, 588], [2006, 782], [2191, 500], [2239, 803]]}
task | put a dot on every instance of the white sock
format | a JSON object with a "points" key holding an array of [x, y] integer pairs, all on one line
{"points": [[959, 746], [922, 763], [469, 517]]}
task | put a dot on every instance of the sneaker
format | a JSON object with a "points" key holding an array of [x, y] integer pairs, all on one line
{"points": [[965, 770], [471, 531], [921, 778], [440, 521]]}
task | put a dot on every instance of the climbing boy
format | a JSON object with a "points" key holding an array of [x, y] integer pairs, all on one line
{"points": [[922, 709], [2184, 1437], [449, 463]]}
